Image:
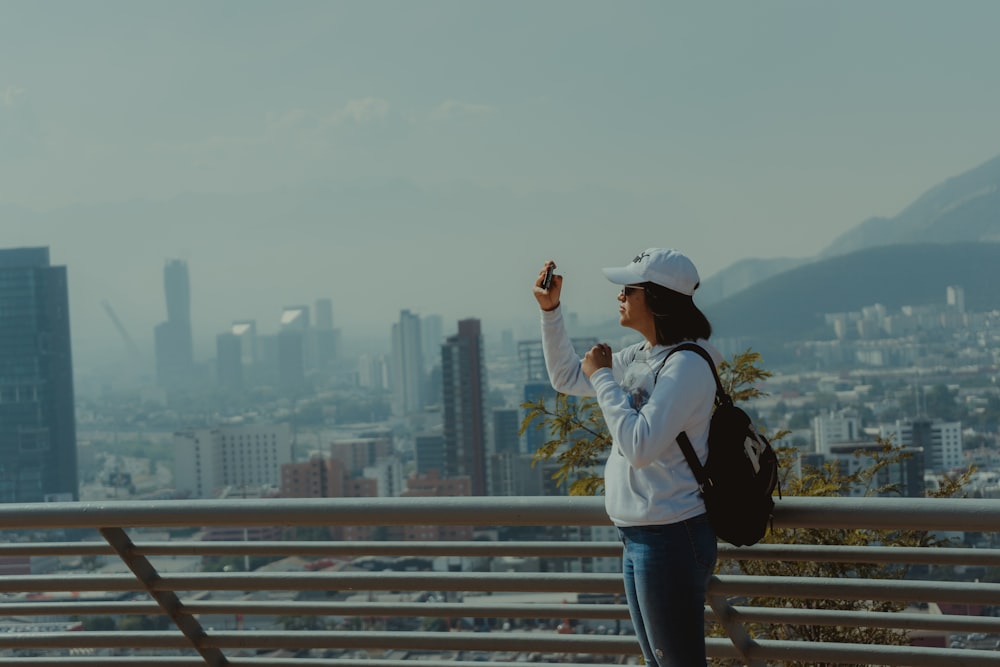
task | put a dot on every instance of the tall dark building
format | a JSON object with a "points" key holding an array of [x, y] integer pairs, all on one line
{"points": [[463, 378], [229, 361], [37, 423], [327, 337], [174, 343]]}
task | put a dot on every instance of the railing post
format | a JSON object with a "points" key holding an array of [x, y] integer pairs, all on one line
{"points": [[168, 600], [727, 617]]}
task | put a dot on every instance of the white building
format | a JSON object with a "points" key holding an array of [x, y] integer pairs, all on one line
{"points": [[839, 427], [941, 441], [244, 456], [390, 475], [407, 365]]}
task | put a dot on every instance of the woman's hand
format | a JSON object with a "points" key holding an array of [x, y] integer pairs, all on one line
{"points": [[598, 356], [548, 299]]}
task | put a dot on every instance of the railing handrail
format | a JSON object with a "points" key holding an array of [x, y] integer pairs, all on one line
{"points": [[974, 514]]}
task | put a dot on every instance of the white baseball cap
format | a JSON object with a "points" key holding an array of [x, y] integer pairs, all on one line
{"points": [[662, 266]]}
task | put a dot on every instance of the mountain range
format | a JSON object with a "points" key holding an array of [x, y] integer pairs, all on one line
{"points": [[965, 208], [949, 236]]}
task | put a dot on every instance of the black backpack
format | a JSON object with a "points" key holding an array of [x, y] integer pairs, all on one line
{"points": [[741, 472]]}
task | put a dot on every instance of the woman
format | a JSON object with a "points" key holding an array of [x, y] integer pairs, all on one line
{"points": [[647, 399]]}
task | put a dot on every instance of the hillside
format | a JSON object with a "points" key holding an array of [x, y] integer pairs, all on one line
{"points": [[965, 208], [789, 306]]}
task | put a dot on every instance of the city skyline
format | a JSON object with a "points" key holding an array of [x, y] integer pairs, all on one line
{"points": [[432, 155]]}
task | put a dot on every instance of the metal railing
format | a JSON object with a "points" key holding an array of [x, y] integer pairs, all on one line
{"points": [[344, 616]]}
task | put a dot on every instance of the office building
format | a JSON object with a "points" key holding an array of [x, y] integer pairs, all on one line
{"points": [[463, 379], [173, 338], [839, 427], [407, 365], [37, 422], [431, 337], [506, 427], [327, 338], [940, 441], [229, 361], [239, 460]]}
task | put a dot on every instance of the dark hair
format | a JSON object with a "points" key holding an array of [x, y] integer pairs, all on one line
{"points": [[677, 318]]}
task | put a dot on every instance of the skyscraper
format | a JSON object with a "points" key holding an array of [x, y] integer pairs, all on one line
{"points": [[407, 365], [293, 352], [463, 374], [37, 424], [327, 337], [174, 344]]}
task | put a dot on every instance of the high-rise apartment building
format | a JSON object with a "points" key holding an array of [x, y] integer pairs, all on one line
{"points": [[463, 379], [37, 423], [407, 365], [173, 338]]}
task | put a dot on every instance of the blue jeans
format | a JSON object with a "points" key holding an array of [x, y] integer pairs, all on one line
{"points": [[666, 572]]}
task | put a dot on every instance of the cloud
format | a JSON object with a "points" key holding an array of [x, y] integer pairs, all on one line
{"points": [[10, 94], [364, 110], [453, 109]]}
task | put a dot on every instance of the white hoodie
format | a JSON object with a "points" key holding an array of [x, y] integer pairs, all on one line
{"points": [[647, 481]]}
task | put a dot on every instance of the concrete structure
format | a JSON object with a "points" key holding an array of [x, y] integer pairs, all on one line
{"points": [[37, 421], [941, 441], [245, 457], [463, 406], [173, 338], [407, 365]]}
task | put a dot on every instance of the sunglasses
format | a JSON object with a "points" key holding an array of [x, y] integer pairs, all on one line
{"points": [[628, 289]]}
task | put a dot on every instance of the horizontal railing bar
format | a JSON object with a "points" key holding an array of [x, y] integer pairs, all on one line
{"points": [[855, 589], [973, 514], [870, 654], [34, 583], [393, 609], [465, 511], [407, 549], [64, 640], [511, 642], [312, 639], [731, 585], [428, 609], [865, 619], [380, 662], [900, 620], [56, 549], [115, 661], [77, 608], [763, 552], [320, 549], [261, 661], [435, 641], [397, 581], [838, 554]]}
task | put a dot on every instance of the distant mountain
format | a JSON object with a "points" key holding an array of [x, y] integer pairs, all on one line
{"points": [[964, 208], [790, 305], [742, 274]]}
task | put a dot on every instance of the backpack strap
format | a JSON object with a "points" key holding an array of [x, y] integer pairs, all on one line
{"points": [[721, 398]]}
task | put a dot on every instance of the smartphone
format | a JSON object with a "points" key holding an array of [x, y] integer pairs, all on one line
{"points": [[547, 279]]}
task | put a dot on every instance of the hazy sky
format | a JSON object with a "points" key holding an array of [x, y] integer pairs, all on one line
{"points": [[489, 136]]}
